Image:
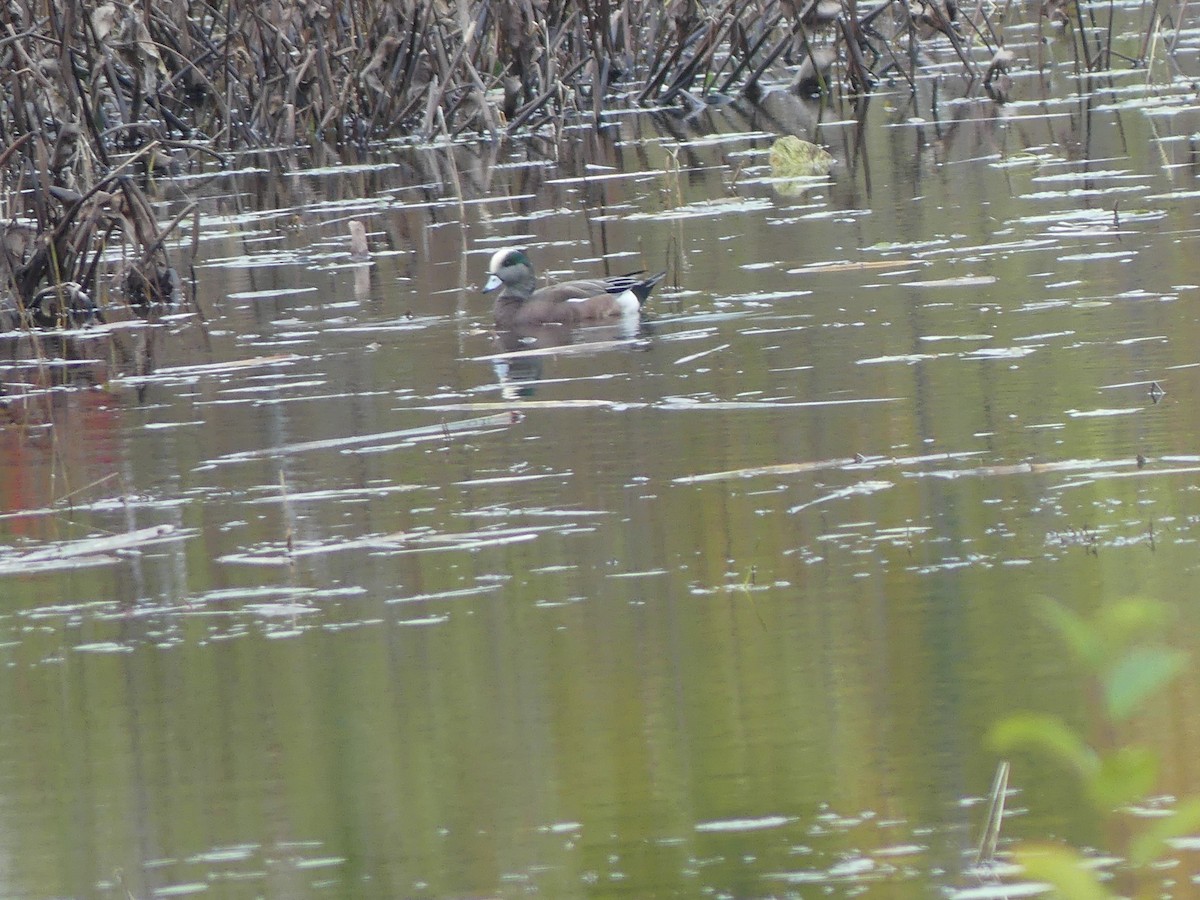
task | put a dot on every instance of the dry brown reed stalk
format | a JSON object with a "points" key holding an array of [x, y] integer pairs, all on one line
{"points": [[102, 96]]}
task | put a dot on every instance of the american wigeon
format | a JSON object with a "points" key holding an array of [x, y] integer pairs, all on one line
{"points": [[522, 303]]}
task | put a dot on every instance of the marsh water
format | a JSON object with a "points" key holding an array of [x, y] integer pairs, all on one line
{"points": [[723, 605]]}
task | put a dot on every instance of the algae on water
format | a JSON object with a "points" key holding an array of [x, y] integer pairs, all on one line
{"points": [[798, 161]]}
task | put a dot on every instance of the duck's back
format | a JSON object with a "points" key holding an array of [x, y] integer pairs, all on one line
{"points": [[570, 302]]}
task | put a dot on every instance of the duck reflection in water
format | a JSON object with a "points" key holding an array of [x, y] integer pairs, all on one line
{"points": [[522, 352]]}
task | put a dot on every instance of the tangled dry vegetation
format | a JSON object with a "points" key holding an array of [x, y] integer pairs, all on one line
{"points": [[99, 98]]}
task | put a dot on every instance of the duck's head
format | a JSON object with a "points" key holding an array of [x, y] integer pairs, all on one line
{"points": [[509, 266]]}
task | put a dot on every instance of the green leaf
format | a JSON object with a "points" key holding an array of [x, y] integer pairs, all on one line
{"points": [[1137, 675], [1080, 636], [1124, 776], [1049, 734], [1065, 869], [1122, 622], [1150, 844]]}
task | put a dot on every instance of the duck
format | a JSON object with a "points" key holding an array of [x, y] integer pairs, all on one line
{"points": [[521, 303]]}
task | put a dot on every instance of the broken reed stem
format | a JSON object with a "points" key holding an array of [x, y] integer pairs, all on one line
{"points": [[986, 853], [286, 508]]}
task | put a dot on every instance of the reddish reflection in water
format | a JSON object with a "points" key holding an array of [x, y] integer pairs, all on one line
{"points": [[61, 442]]}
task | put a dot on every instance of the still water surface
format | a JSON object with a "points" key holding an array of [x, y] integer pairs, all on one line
{"points": [[724, 607]]}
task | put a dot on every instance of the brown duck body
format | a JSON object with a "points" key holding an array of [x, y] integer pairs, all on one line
{"points": [[520, 304]]}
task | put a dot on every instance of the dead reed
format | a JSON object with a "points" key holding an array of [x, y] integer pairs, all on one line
{"points": [[100, 98]]}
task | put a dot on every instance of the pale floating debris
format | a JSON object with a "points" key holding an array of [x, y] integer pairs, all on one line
{"points": [[1140, 340], [606, 176], [279, 610], [320, 862], [930, 246], [695, 334], [902, 850], [852, 868], [370, 542], [1086, 175], [235, 853], [1028, 468], [424, 620], [1090, 257], [485, 405], [956, 337], [705, 208], [1174, 195], [1149, 106], [180, 890], [265, 593], [846, 463], [1000, 353], [854, 490], [1025, 158], [908, 358], [445, 429], [1099, 217], [258, 260], [1001, 891], [744, 824], [49, 565], [398, 542], [257, 558], [164, 426], [102, 647], [561, 828], [1039, 305], [849, 266], [727, 137], [416, 323], [686, 403], [902, 531], [446, 595], [273, 494], [846, 870], [456, 543], [511, 479], [1101, 413], [1076, 193], [764, 296], [807, 877], [1149, 811], [1045, 336], [961, 281], [171, 372], [695, 356], [88, 551], [754, 471], [347, 169], [270, 293], [997, 248]]}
